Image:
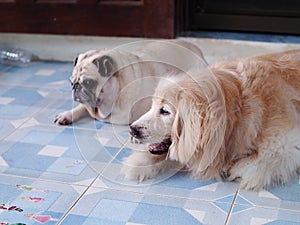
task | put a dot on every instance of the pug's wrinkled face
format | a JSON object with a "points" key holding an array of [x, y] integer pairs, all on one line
{"points": [[93, 82]]}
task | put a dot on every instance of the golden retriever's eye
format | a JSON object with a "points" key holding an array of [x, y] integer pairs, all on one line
{"points": [[164, 111]]}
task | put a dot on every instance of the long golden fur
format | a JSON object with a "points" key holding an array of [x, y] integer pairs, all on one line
{"points": [[235, 120]]}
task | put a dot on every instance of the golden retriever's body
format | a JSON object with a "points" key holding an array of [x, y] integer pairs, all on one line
{"points": [[236, 121]]}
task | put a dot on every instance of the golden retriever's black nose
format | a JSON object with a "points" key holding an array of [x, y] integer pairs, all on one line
{"points": [[135, 131]]}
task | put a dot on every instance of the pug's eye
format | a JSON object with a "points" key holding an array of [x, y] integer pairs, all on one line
{"points": [[164, 111], [88, 83]]}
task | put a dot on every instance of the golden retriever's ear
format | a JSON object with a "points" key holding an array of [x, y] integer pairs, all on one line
{"points": [[199, 127], [185, 132]]}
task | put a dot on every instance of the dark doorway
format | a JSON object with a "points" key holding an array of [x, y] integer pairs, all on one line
{"points": [[274, 16]]}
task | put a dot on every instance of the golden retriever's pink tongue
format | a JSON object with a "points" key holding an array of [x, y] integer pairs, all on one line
{"points": [[160, 148], [156, 147]]}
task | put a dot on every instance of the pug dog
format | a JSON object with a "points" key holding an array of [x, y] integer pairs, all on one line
{"points": [[116, 86]]}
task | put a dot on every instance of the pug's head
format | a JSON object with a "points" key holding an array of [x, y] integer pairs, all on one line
{"points": [[93, 81]]}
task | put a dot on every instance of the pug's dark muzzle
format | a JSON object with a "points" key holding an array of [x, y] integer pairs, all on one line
{"points": [[83, 95]]}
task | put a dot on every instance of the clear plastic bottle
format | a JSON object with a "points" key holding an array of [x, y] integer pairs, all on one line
{"points": [[16, 56]]}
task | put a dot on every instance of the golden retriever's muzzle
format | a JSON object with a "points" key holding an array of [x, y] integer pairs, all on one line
{"points": [[154, 148], [135, 131], [160, 148]]}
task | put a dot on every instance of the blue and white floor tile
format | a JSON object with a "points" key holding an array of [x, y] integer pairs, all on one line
{"points": [[67, 175], [284, 197], [42, 75], [102, 206], [251, 215], [33, 202], [58, 153]]}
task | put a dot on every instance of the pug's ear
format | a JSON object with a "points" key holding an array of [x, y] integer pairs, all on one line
{"points": [[75, 61], [105, 65]]}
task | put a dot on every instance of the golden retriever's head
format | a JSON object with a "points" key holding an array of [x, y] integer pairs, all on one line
{"points": [[187, 119], [155, 126]]}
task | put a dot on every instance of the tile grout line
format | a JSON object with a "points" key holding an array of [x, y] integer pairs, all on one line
{"points": [[33, 114], [23, 85], [231, 207], [202, 200], [72, 206], [116, 189], [37, 179], [89, 186], [28, 119], [40, 179], [150, 194], [70, 126]]}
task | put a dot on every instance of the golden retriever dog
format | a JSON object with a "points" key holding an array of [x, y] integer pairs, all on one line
{"points": [[234, 121]]}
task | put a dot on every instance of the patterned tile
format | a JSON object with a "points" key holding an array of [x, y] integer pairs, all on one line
{"points": [[54, 153], [22, 102], [173, 182], [47, 114], [39, 74], [278, 205], [263, 216], [285, 197], [101, 206], [67, 175], [35, 202], [6, 128]]}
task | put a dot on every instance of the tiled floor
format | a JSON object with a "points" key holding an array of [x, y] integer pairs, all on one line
{"points": [[71, 175]]}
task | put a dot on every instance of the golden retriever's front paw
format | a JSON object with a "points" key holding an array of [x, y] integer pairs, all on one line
{"points": [[142, 165], [136, 173], [247, 178]]}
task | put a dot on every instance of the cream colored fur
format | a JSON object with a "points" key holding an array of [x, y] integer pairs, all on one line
{"points": [[124, 95], [236, 121]]}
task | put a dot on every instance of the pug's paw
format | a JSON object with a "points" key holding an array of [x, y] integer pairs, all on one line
{"points": [[64, 118]]}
